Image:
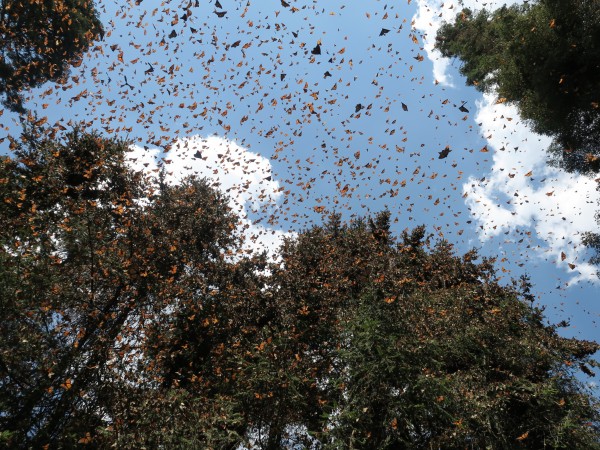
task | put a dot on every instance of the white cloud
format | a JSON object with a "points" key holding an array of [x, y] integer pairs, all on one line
{"points": [[428, 19], [523, 192], [558, 209], [245, 177]]}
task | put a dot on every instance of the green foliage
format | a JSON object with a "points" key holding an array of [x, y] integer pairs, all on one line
{"points": [[133, 319], [544, 57], [39, 40], [61, 291], [455, 368], [170, 419], [92, 253], [378, 344]]}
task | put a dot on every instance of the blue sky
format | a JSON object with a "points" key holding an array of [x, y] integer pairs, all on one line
{"points": [[292, 136]]}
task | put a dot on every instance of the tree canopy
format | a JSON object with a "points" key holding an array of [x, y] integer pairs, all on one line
{"points": [[544, 57], [91, 252], [133, 319], [39, 40]]}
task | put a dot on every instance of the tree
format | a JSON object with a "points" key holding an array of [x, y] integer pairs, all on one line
{"points": [[466, 365], [62, 290], [94, 257], [403, 345], [287, 367], [133, 320], [193, 332], [371, 343], [40, 40], [544, 57]]}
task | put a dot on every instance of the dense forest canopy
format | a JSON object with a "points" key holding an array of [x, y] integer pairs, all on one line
{"points": [[134, 319]]}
